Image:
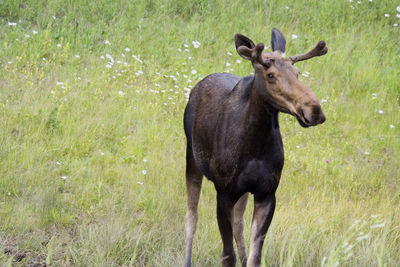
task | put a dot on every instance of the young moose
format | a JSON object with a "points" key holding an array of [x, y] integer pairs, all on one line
{"points": [[233, 139]]}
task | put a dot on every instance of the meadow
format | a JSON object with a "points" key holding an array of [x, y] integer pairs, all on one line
{"points": [[92, 148]]}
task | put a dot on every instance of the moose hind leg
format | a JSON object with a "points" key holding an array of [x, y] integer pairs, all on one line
{"points": [[224, 216], [238, 225], [193, 186]]}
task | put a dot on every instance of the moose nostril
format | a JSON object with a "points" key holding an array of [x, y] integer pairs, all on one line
{"points": [[316, 109], [318, 114]]}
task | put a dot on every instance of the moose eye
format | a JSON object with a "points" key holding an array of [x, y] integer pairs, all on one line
{"points": [[270, 75]]}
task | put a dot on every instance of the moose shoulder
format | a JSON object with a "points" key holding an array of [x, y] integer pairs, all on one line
{"points": [[233, 138]]}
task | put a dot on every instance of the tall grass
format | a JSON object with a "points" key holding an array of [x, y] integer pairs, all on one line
{"points": [[92, 148]]}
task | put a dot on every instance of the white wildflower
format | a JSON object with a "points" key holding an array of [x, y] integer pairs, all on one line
{"points": [[196, 44], [140, 183], [110, 58], [387, 15], [34, 32], [305, 74], [107, 42], [137, 59], [392, 126], [294, 36], [127, 49], [64, 177], [139, 72], [12, 24], [121, 93], [194, 71]]}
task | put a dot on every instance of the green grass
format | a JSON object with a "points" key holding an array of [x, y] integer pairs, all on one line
{"points": [[76, 137]]}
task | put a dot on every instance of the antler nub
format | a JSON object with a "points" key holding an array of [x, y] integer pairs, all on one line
{"points": [[319, 50], [257, 54]]}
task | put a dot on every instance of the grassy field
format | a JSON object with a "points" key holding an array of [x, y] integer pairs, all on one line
{"points": [[92, 147]]}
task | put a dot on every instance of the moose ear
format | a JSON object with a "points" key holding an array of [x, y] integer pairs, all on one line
{"points": [[244, 46], [278, 42], [243, 40]]}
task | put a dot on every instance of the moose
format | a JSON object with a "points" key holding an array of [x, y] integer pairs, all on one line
{"points": [[233, 138]]}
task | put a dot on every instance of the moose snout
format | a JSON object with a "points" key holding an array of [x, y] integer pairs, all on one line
{"points": [[311, 115]]}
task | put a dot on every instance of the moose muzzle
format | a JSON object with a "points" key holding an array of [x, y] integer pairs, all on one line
{"points": [[310, 115]]}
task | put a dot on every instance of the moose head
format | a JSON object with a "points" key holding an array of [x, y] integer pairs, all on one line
{"points": [[276, 77]]}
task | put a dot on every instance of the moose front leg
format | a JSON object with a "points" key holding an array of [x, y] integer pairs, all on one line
{"points": [[264, 208], [224, 216], [238, 225]]}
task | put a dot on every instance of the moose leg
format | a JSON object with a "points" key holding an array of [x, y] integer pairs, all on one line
{"points": [[264, 208], [238, 225], [193, 186], [224, 216]]}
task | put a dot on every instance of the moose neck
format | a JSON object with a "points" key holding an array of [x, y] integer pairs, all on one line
{"points": [[260, 114]]}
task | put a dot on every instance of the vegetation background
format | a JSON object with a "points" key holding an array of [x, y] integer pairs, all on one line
{"points": [[92, 156]]}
